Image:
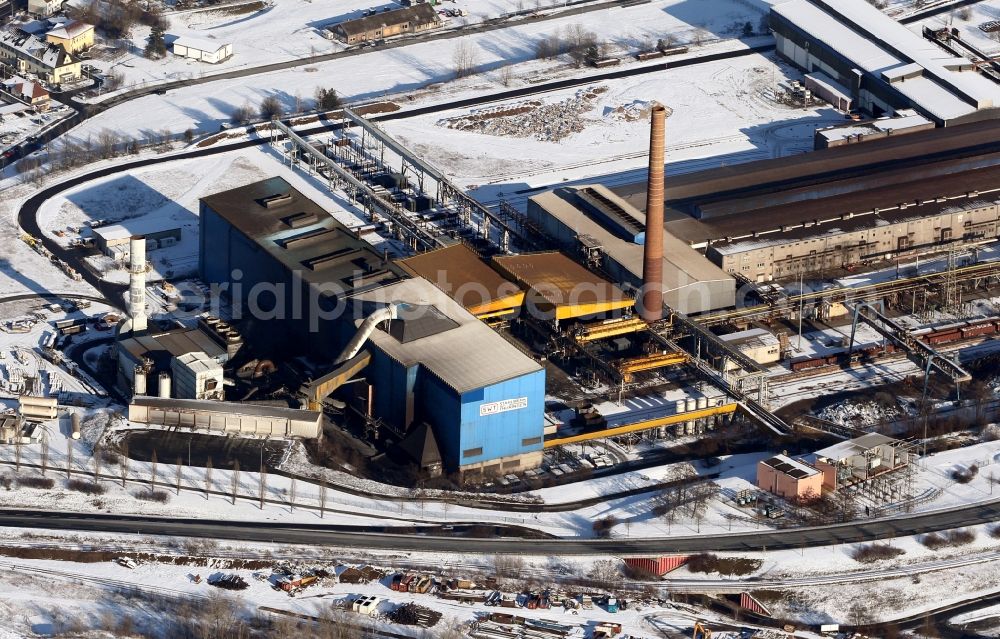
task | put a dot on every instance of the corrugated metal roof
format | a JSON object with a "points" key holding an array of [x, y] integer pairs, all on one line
{"points": [[467, 357], [459, 272], [269, 213], [559, 280], [683, 266]]}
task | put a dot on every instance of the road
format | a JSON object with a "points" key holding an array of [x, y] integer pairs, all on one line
{"points": [[365, 538]]}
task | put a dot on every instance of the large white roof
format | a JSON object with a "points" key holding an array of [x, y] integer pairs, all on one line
{"points": [[466, 355], [948, 86]]}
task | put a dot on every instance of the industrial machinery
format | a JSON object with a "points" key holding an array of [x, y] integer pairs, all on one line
{"points": [[628, 367], [701, 631], [350, 361]]}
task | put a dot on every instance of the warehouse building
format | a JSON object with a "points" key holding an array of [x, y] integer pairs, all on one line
{"points": [[607, 231], [386, 24], [435, 363], [210, 51], [285, 261], [882, 64], [842, 207], [114, 240], [483, 399], [226, 418]]}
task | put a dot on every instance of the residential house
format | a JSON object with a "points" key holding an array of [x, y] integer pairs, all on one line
{"points": [[27, 92], [74, 36], [386, 24], [29, 54], [44, 8]]}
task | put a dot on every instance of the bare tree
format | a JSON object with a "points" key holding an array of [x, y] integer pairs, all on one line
{"points": [[270, 108], [123, 462], [262, 478], [464, 58], [236, 478], [208, 477], [45, 454], [69, 458], [97, 465], [107, 143], [17, 452], [243, 114], [506, 74], [291, 495], [322, 498], [180, 467], [152, 472]]}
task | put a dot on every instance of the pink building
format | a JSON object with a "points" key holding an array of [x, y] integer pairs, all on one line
{"points": [[789, 478]]}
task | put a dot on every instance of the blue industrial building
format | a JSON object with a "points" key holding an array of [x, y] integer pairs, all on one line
{"points": [[435, 369], [483, 399]]}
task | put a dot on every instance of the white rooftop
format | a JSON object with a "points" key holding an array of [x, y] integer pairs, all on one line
{"points": [[199, 44], [948, 87], [856, 446], [466, 356], [130, 228]]}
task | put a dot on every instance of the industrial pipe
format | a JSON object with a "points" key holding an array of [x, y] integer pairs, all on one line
{"points": [[365, 330]]}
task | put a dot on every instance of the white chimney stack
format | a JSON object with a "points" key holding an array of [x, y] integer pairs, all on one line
{"points": [[137, 283]]}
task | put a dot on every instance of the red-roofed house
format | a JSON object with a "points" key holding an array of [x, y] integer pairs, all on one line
{"points": [[28, 92]]}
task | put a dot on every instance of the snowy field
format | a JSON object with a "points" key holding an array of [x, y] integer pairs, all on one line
{"points": [[291, 29], [718, 112], [405, 70]]}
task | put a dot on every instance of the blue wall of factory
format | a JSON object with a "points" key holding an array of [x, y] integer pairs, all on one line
{"points": [[223, 250], [465, 436], [393, 394]]}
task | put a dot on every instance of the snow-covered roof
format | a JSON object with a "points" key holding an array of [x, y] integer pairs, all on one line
{"points": [[942, 84], [70, 30], [856, 446], [27, 89], [130, 228], [461, 351], [199, 44], [22, 44]]}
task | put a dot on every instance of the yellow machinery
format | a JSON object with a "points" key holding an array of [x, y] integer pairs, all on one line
{"points": [[701, 631], [628, 367], [610, 328], [690, 416]]}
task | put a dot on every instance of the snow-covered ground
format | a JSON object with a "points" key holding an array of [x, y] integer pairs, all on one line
{"points": [[292, 29], [405, 70], [718, 112]]}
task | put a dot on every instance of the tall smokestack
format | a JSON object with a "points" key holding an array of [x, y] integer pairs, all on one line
{"points": [[651, 305], [137, 283]]}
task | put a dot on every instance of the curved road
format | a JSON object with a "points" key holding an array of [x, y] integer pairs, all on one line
{"points": [[407, 540]]}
